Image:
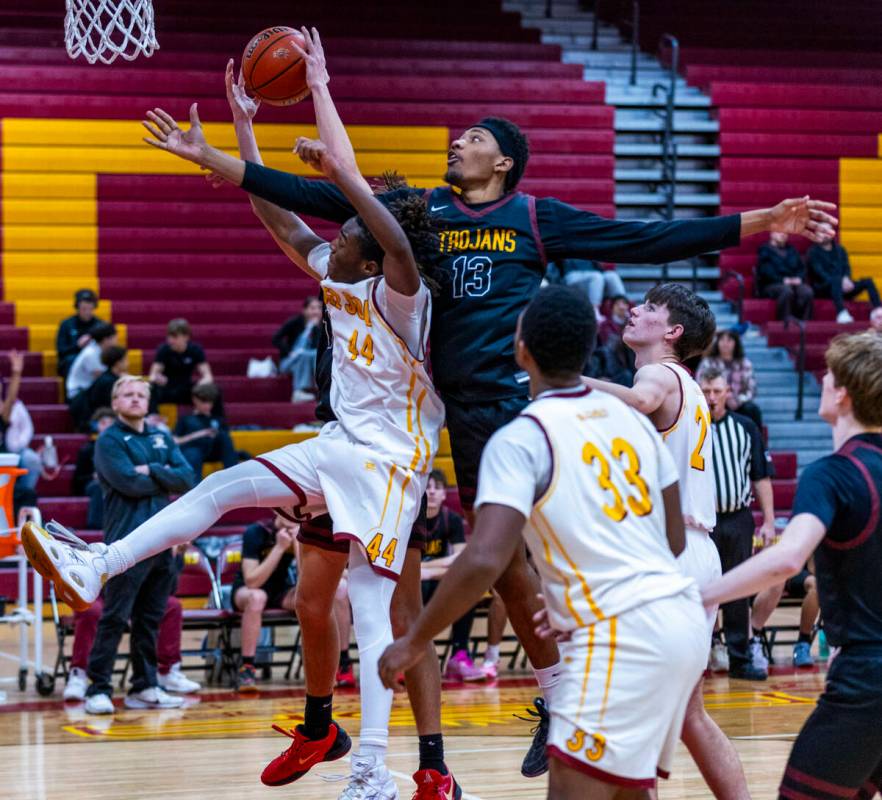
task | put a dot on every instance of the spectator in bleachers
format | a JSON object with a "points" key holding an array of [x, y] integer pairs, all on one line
{"points": [[781, 276], [174, 364], [727, 356], [168, 650], [742, 468], [445, 540], [591, 278], [85, 370], [876, 320], [74, 333], [263, 581], [17, 428], [297, 342], [100, 393], [830, 272], [611, 358], [202, 435], [612, 328], [138, 467], [85, 481]]}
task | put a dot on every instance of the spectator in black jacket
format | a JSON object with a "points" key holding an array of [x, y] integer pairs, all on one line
{"points": [[74, 333], [204, 436], [781, 276], [830, 272], [138, 467], [85, 479], [297, 341], [100, 393]]}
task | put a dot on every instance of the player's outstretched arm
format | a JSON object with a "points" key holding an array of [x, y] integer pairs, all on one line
{"points": [[652, 384], [492, 546], [293, 236], [399, 265], [772, 565]]}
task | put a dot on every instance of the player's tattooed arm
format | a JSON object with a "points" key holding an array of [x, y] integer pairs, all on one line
{"points": [[652, 385], [492, 546]]}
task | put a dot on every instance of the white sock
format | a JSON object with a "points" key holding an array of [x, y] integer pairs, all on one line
{"points": [[249, 484], [491, 654], [548, 678], [370, 595]]}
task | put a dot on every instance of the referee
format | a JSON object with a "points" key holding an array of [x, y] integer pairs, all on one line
{"points": [[741, 464]]}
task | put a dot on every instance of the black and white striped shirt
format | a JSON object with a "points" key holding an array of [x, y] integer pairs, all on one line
{"points": [[739, 457]]}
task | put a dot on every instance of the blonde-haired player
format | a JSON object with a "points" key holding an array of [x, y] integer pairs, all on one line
{"points": [[672, 326], [598, 491], [368, 470]]}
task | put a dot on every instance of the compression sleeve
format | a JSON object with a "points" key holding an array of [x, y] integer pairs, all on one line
{"points": [[568, 232], [301, 195]]}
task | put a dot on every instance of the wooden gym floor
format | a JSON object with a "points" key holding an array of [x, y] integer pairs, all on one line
{"points": [[217, 745]]}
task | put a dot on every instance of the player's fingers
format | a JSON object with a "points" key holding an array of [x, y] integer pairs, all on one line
{"points": [[165, 117], [153, 131], [823, 216], [299, 50], [317, 42], [306, 37], [822, 204], [154, 143], [158, 122], [194, 116]]}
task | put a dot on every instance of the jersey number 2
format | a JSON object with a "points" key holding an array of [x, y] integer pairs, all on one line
{"points": [[472, 276], [640, 505], [696, 460]]}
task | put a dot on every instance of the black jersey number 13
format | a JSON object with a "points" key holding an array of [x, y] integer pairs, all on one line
{"points": [[471, 276]]}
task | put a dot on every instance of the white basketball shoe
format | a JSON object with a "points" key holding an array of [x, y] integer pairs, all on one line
{"points": [[77, 569], [370, 780]]}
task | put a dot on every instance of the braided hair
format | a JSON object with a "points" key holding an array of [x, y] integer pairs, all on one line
{"points": [[421, 230]]}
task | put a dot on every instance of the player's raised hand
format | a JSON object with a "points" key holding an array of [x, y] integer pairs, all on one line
{"points": [[316, 155], [189, 145], [805, 217], [313, 56], [243, 107]]}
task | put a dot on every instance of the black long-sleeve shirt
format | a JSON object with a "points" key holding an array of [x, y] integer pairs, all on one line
{"points": [[485, 285], [776, 263], [828, 267], [69, 331], [131, 498]]}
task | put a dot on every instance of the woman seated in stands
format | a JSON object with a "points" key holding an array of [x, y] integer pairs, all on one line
{"points": [[727, 355]]}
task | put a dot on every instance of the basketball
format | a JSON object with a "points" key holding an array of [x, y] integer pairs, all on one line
{"points": [[273, 69]]}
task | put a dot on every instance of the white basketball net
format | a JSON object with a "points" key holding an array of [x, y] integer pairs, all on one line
{"points": [[101, 30]]}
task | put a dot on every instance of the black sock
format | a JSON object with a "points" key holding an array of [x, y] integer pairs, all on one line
{"points": [[344, 659], [432, 753], [757, 633], [317, 716], [248, 661], [716, 638], [805, 637]]}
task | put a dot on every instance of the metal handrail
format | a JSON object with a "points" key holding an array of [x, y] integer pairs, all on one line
{"points": [[635, 35], [595, 24], [739, 305], [800, 365]]}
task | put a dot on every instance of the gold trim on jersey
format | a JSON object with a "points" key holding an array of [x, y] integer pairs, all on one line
{"points": [[404, 484], [561, 574], [609, 669], [388, 493]]}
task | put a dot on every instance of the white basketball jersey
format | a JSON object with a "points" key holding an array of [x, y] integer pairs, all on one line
{"points": [[380, 391], [690, 441], [598, 532]]}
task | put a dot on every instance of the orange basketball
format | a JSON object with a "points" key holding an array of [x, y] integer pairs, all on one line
{"points": [[273, 69]]}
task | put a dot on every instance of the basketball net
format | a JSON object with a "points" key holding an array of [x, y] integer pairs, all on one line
{"points": [[101, 30]]}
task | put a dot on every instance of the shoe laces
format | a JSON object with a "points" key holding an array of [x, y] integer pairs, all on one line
{"points": [[66, 535], [291, 733], [364, 783], [538, 714]]}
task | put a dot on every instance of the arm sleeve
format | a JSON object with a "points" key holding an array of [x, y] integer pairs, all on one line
{"points": [[115, 466], [515, 466], [176, 476], [406, 314], [568, 232], [301, 195]]}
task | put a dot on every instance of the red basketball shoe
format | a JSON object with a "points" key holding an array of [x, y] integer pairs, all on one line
{"points": [[432, 785], [304, 754]]}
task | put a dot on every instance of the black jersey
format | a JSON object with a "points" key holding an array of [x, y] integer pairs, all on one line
{"points": [[843, 491], [490, 264]]}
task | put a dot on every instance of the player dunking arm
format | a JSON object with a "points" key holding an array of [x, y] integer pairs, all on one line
{"points": [[598, 491], [368, 470], [491, 260], [674, 325], [838, 752], [321, 559]]}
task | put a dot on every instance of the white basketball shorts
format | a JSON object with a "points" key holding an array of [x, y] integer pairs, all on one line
{"points": [[618, 710], [370, 499], [701, 562]]}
